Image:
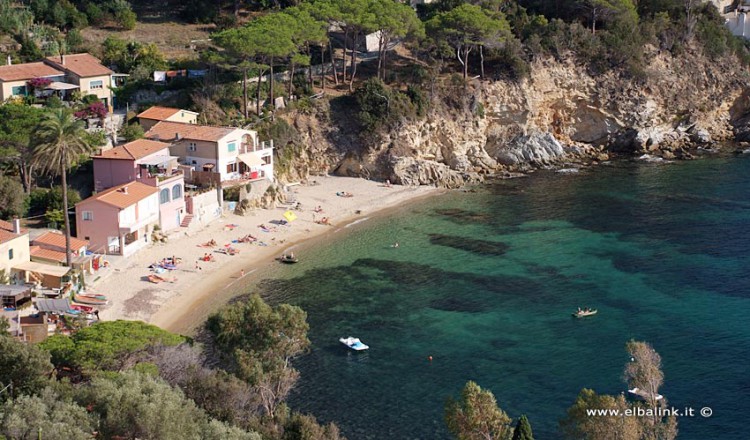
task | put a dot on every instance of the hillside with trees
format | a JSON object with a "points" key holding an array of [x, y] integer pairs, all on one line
{"points": [[128, 379]]}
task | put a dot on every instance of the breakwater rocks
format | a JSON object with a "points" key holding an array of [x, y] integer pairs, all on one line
{"points": [[561, 115]]}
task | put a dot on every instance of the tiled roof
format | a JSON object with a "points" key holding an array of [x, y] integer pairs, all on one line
{"points": [[8, 227], [7, 236], [82, 64], [134, 150], [56, 239], [47, 254], [166, 130], [117, 197], [18, 72], [158, 113]]}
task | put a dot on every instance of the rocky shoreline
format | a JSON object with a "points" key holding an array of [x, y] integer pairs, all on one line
{"points": [[558, 117]]}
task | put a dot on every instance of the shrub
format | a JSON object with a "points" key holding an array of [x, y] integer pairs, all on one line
{"points": [[126, 19], [132, 132], [11, 198]]}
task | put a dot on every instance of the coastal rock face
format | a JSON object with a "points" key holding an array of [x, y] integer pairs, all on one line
{"points": [[410, 171], [561, 115], [535, 149]]}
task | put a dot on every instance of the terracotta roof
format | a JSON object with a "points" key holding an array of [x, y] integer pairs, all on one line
{"points": [[133, 150], [167, 130], [81, 64], [47, 254], [17, 72], [7, 236], [115, 196], [158, 113], [8, 227], [56, 239]]}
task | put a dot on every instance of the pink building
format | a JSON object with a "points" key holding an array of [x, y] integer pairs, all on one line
{"points": [[148, 162], [119, 220]]}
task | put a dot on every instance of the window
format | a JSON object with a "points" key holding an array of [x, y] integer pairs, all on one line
{"points": [[266, 159], [232, 146], [87, 216], [231, 167], [87, 238], [18, 91], [164, 196], [10, 254], [192, 146], [98, 84], [176, 192], [194, 162]]}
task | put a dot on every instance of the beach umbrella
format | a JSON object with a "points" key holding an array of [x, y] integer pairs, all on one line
{"points": [[289, 216]]}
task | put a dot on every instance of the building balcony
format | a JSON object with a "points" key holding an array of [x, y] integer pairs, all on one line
{"points": [[160, 179], [140, 223]]}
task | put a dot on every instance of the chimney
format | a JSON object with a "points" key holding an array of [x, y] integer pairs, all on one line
{"points": [[62, 59], [17, 226], [10, 61], [124, 189], [177, 136]]}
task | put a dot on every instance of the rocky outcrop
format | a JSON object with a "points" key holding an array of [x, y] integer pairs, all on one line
{"points": [[558, 116], [410, 171], [534, 149]]}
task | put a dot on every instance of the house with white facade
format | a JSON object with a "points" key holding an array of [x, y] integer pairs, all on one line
{"points": [[151, 116], [221, 156]]}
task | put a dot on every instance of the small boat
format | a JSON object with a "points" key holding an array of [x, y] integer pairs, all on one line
{"points": [[288, 259], [643, 394], [582, 313], [82, 308], [354, 343], [90, 299]]}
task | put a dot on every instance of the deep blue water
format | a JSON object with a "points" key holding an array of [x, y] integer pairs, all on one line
{"points": [[485, 282]]}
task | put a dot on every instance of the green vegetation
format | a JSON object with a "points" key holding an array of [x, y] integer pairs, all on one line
{"points": [[522, 430], [47, 415], [476, 416], [24, 366], [132, 132], [258, 342], [11, 198], [106, 345], [644, 372], [59, 144], [128, 379]]}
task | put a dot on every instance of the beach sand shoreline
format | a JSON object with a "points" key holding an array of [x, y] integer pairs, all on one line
{"points": [[197, 289]]}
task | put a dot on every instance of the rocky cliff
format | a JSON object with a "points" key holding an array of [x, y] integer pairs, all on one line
{"points": [[560, 115]]}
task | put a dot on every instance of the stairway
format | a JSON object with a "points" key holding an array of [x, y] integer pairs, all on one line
{"points": [[186, 220]]}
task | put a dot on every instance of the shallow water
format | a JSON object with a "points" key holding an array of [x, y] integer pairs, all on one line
{"points": [[485, 283]]}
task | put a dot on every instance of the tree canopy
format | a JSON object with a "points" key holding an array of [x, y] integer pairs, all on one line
{"points": [[476, 416], [107, 345], [259, 342], [468, 27], [47, 415], [24, 368]]}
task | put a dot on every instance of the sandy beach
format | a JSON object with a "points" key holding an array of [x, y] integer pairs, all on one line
{"points": [[169, 304]]}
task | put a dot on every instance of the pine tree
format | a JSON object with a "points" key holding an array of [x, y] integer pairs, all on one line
{"points": [[523, 430]]}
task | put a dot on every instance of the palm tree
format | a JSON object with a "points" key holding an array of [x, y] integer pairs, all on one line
{"points": [[60, 141]]}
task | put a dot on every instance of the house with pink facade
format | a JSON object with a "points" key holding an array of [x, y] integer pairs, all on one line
{"points": [[119, 220], [148, 162]]}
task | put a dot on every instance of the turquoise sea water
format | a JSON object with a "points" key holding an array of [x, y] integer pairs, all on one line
{"points": [[485, 283]]}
